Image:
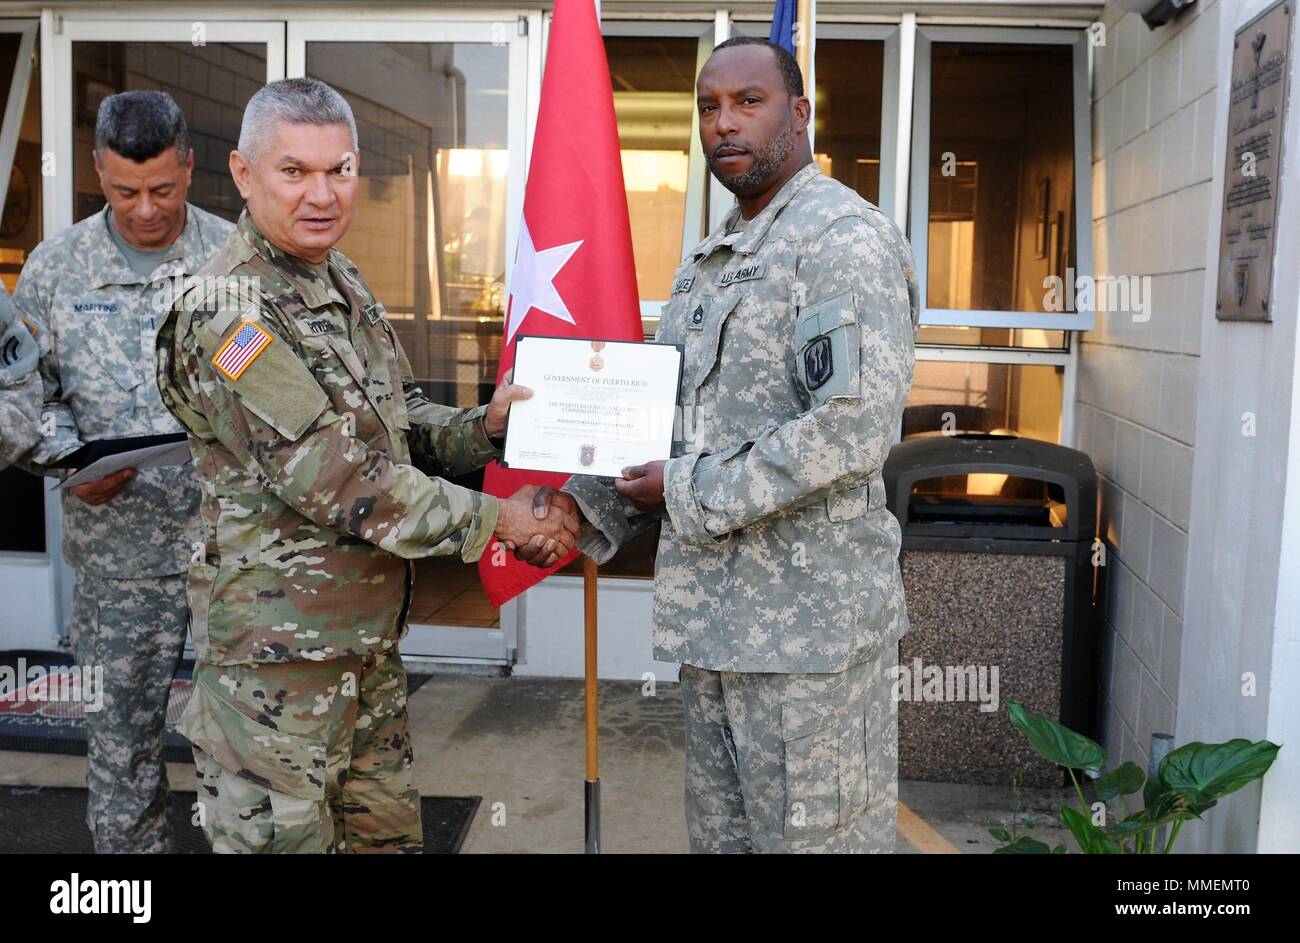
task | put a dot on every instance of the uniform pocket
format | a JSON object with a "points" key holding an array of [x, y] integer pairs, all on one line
{"points": [[277, 761], [826, 336], [813, 730], [704, 347], [198, 593]]}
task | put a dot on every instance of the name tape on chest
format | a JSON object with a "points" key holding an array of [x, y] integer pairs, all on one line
{"points": [[743, 273], [243, 347], [683, 284], [96, 307], [318, 326]]}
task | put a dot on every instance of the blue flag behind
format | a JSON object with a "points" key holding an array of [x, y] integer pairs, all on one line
{"points": [[783, 16]]}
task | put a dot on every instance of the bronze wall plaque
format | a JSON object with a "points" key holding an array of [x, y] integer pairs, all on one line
{"points": [[1261, 60]]}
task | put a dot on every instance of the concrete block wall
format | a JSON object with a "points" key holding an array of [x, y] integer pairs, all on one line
{"points": [[1152, 151]]}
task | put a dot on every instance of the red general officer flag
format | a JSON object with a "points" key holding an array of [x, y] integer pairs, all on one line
{"points": [[573, 274]]}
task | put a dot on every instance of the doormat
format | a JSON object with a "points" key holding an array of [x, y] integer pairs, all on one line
{"points": [[31, 721], [61, 813]]}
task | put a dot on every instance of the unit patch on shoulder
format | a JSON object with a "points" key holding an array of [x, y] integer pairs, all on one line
{"points": [[818, 364], [241, 349]]}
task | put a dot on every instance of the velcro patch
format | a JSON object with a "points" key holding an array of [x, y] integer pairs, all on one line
{"points": [[818, 364], [318, 326], [243, 347], [96, 307], [743, 273], [683, 284]]}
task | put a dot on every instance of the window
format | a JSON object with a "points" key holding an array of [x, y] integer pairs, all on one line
{"points": [[20, 233], [211, 83], [999, 168], [951, 396], [653, 78], [847, 132], [429, 234]]}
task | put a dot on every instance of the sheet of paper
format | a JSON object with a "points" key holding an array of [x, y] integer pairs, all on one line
{"points": [[597, 406], [171, 453]]}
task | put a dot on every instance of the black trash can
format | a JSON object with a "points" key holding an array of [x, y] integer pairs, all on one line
{"points": [[997, 560]]}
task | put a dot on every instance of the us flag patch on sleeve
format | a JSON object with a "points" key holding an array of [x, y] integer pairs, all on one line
{"points": [[241, 350]]}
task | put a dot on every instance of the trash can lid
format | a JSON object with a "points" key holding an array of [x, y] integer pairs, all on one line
{"points": [[926, 457]]}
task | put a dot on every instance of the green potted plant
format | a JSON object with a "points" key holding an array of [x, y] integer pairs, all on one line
{"points": [[1188, 781]]}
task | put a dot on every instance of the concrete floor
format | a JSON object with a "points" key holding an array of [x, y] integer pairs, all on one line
{"points": [[518, 743]]}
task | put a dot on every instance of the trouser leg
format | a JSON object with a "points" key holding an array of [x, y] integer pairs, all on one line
{"points": [[272, 746], [380, 805], [133, 632], [715, 808], [816, 756]]}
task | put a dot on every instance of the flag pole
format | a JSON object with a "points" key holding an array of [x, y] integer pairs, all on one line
{"points": [[806, 20], [592, 787]]}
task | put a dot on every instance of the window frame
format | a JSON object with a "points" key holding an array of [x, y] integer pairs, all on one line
{"points": [[1021, 356], [129, 27], [926, 37], [893, 171]]}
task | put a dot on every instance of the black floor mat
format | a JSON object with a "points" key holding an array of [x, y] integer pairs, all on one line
{"points": [[61, 813], [35, 726]]}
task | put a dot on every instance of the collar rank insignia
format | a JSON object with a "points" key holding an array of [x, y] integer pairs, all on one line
{"points": [[243, 347]]}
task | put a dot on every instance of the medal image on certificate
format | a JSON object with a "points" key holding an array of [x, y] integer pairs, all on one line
{"points": [[597, 406]]}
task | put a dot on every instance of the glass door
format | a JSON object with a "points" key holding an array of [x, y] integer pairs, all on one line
{"points": [[28, 618], [210, 67], [441, 115]]}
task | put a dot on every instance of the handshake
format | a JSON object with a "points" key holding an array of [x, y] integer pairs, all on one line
{"points": [[540, 525]]}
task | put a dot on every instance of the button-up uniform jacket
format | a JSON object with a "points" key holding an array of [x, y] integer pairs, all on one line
{"points": [[777, 553], [96, 321], [315, 451]]}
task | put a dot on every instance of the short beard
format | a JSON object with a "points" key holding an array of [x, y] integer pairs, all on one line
{"points": [[767, 164]]}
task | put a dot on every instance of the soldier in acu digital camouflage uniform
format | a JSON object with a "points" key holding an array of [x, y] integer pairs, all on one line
{"points": [[777, 583], [96, 294], [317, 455], [20, 384]]}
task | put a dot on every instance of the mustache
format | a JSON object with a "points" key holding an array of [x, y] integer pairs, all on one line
{"points": [[730, 145]]}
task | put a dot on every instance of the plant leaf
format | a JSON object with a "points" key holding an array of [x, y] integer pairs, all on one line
{"points": [[1123, 780], [1205, 772], [1059, 744], [1090, 838], [1001, 834]]}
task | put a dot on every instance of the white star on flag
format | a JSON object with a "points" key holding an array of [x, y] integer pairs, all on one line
{"points": [[532, 281]]}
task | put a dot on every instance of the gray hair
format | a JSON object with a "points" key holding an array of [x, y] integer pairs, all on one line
{"points": [[141, 125], [297, 101]]}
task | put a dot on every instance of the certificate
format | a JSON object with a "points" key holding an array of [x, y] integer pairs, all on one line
{"points": [[597, 406], [103, 457]]}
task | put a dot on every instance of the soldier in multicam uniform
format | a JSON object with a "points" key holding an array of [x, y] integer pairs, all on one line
{"points": [[777, 583], [96, 294], [20, 384], [317, 455]]}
